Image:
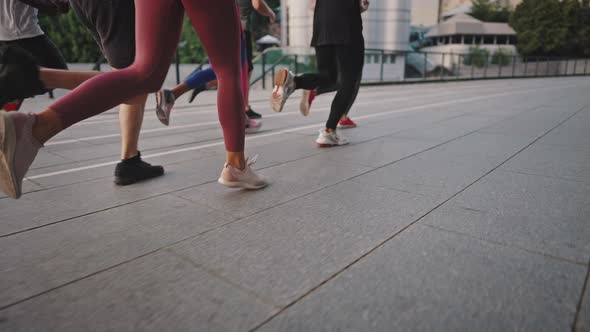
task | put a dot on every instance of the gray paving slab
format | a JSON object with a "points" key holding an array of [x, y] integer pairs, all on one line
{"points": [[285, 251], [51, 256], [289, 181], [571, 163], [378, 152], [573, 133], [532, 124], [145, 144], [47, 159], [447, 169], [28, 187], [429, 280], [160, 292], [57, 204], [537, 213], [583, 323]]}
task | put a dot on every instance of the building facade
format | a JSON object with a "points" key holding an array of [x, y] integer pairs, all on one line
{"points": [[386, 27]]}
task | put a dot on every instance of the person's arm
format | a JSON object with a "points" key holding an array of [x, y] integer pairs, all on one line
{"points": [[263, 9], [51, 7]]}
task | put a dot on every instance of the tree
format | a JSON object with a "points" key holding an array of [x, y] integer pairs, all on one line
{"points": [[78, 46], [490, 11], [552, 27]]}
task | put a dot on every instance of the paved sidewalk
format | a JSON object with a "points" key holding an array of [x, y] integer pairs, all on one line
{"points": [[457, 207]]}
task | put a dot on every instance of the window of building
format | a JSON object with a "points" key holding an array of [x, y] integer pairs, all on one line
{"points": [[502, 40], [512, 40], [392, 58], [478, 40], [468, 39], [488, 39], [456, 39]]}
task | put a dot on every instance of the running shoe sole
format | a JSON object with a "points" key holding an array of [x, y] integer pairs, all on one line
{"points": [[346, 126], [305, 106], [162, 115], [7, 150], [280, 80], [238, 184], [326, 145]]}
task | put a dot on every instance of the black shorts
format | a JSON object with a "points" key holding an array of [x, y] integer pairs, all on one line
{"points": [[112, 24], [42, 49], [249, 54]]}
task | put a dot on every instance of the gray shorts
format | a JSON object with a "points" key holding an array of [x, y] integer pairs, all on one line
{"points": [[112, 24]]}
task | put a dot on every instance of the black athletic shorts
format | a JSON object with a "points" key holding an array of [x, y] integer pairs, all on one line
{"points": [[112, 24], [249, 53], [42, 49]]}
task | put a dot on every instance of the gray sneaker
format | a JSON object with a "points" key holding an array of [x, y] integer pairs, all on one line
{"points": [[164, 102], [234, 178], [284, 87], [18, 149]]}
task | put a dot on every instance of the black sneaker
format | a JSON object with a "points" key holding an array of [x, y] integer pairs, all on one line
{"points": [[132, 170], [251, 114]]}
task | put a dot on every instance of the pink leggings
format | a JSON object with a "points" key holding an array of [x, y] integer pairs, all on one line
{"points": [[157, 30]]}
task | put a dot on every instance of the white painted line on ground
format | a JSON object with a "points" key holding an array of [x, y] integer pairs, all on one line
{"points": [[211, 123], [188, 111], [280, 132]]}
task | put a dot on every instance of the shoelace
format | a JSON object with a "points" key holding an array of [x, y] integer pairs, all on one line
{"points": [[249, 162]]}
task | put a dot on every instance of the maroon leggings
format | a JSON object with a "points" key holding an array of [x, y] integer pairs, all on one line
{"points": [[157, 30]]}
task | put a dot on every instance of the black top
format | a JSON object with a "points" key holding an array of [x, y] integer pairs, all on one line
{"points": [[246, 10], [337, 22]]}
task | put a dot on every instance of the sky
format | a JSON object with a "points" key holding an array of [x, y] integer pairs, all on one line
{"points": [[424, 12]]}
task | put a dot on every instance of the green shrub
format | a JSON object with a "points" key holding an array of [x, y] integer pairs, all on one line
{"points": [[501, 57], [477, 57]]}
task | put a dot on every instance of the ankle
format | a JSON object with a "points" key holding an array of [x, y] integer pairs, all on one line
{"points": [[236, 159], [47, 125]]}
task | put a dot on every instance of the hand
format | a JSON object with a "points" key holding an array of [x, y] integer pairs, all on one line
{"points": [[272, 17], [364, 5]]}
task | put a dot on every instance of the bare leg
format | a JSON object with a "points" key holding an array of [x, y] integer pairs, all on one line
{"points": [[130, 120], [64, 79], [180, 89]]}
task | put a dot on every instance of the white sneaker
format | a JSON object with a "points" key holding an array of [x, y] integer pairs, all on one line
{"points": [[252, 126], [326, 139], [164, 103], [18, 149], [246, 178], [284, 87]]}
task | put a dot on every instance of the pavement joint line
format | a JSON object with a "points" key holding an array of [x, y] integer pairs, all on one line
{"points": [[585, 289], [543, 176], [219, 276], [403, 229], [505, 245], [368, 116], [237, 220]]}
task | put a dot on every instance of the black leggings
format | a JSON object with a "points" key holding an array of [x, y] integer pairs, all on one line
{"points": [[340, 69]]}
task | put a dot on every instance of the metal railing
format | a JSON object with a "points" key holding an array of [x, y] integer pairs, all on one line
{"points": [[453, 66], [383, 66]]}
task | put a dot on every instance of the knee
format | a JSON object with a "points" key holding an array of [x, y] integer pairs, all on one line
{"points": [[150, 78]]}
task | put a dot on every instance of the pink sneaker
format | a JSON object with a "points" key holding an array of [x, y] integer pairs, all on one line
{"points": [[252, 126], [306, 100], [18, 149], [234, 178]]}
